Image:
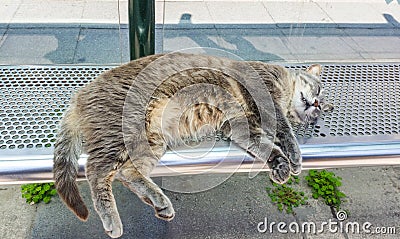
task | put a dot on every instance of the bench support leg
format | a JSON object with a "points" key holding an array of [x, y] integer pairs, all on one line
{"points": [[141, 28]]}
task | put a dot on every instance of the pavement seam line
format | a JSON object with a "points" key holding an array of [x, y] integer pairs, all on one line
{"points": [[76, 45]]}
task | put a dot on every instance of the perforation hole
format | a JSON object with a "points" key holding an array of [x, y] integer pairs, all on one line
{"points": [[34, 101]]}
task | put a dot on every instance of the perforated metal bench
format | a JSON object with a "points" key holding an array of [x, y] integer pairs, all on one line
{"points": [[363, 130]]}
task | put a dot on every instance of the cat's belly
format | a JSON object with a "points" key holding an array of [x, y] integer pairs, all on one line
{"points": [[191, 114]]}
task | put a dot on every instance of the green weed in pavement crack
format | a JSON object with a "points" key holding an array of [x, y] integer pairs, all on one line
{"points": [[37, 192], [325, 185], [285, 197]]}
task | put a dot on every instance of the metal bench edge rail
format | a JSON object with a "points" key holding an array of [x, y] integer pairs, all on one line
{"points": [[222, 159]]}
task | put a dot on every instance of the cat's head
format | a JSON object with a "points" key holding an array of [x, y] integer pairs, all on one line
{"points": [[308, 99]]}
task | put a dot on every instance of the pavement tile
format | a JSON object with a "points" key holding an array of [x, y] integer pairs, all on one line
{"points": [[390, 11], [230, 210], [330, 57], [375, 44], [2, 35], [16, 215], [38, 46], [253, 44], [105, 12], [7, 2], [369, 199], [48, 11], [376, 40], [239, 13], [159, 41], [354, 14], [7, 11], [296, 12], [312, 30], [177, 39], [381, 57], [102, 46], [159, 12], [327, 236], [316, 213], [188, 13], [208, 15], [55, 220], [373, 196], [313, 44], [223, 213]]}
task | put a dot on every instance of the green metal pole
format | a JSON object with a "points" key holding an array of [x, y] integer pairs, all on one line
{"points": [[141, 28]]}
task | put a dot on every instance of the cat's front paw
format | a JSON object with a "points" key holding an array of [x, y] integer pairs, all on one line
{"points": [[295, 168], [280, 170]]}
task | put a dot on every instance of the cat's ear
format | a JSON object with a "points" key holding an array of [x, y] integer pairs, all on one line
{"points": [[315, 69]]}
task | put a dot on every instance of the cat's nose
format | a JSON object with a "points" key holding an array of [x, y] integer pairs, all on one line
{"points": [[316, 104]]}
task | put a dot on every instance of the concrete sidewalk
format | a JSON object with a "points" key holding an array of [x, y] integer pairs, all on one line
{"points": [[87, 32], [232, 210]]}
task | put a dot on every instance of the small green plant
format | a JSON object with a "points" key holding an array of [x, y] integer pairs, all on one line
{"points": [[285, 197], [326, 185], [37, 192]]}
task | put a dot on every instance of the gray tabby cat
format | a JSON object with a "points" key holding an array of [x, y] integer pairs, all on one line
{"points": [[129, 150]]}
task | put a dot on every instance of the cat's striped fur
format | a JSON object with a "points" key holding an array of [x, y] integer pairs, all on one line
{"points": [[129, 152]]}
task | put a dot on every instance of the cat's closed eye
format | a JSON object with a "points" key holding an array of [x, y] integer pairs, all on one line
{"points": [[304, 100]]}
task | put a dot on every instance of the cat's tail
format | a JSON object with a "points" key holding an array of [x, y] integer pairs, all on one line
{"points": [[66, 154]]}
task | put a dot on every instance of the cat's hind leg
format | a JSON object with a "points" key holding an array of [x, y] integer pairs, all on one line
{"points": [[149, 192], [100, 176]]}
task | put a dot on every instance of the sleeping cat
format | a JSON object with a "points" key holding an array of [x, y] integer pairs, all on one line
{"points": [[128, 117]]}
